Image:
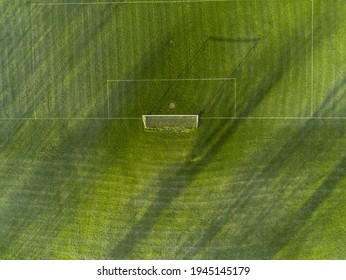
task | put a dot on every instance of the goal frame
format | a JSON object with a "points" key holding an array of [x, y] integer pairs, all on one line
{"points": [[170, 126]]}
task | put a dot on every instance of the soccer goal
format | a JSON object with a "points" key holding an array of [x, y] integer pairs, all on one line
{"points": [[177, 123]]}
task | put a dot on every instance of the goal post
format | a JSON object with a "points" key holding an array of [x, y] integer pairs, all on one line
{"points": [[177, 123]]}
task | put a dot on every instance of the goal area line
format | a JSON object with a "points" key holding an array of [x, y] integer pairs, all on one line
{"points": [[219, 79]]}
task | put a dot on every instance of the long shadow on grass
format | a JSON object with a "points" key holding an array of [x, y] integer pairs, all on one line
{"points": [[47, 194], [304, 147], [197, 56], [169, 189], [209, 142], [43, 196], [15, 60], [333, 100], [218, 135], [295, 223], [69, 59], [270, 237]]}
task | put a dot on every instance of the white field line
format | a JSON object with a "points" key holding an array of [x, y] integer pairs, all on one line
{"points": [[108, 101], [173, 80], [170, 80], [312, 58], [134, 2], [153, 80], [274, 118], [33, 56], [204, 118], [86, 118], [235, 98]]}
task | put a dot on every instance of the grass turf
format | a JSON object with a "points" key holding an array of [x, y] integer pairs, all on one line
{"points": [[241, 188]]}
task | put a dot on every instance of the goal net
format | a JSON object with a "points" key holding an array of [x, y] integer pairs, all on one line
{"points": [[178, 123]]}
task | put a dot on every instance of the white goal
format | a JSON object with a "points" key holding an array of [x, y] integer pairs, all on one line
{"points": [[177, 123]]}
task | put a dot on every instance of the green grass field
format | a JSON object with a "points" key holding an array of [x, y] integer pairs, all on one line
{"points": [[263, 177]]}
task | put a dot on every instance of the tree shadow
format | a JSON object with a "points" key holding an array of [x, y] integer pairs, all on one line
{"points": [[51, 166], [209, 142], [303, 148]]}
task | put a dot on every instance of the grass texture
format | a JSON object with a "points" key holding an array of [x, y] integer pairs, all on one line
{"points": [[263, 177]]}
